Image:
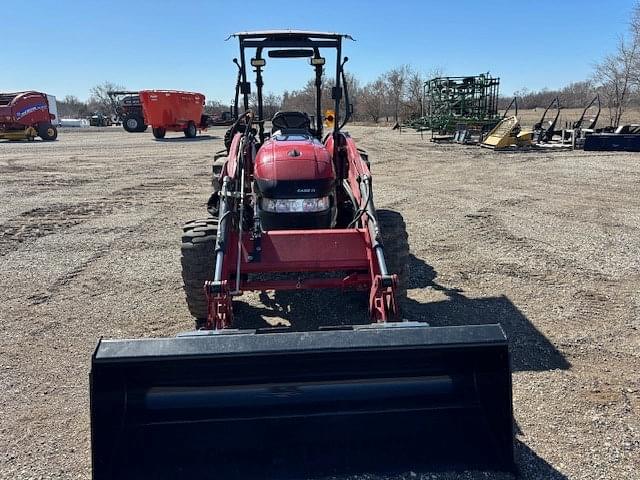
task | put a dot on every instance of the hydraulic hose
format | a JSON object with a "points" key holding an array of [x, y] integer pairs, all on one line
{"points": [[347, 188], [365, 184], [372, 224], [221, 239]]}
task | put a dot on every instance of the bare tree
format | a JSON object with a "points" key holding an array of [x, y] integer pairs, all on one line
{"points": [[72, 107], [615, 78], [99, 100], [435, 72], [396, 81], [215, 106], [578, 94], [271, 103], [372, 99], [574, 95], [305, 99], [415, 87], [618, 74]]}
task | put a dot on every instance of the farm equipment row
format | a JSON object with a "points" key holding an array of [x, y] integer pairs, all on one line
{"points": [[292, 208], [582, 133], [465, 110]]}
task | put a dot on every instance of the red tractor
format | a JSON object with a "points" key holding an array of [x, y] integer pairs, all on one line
{"points": [[26, 115], [128, 109], [293, 208]]}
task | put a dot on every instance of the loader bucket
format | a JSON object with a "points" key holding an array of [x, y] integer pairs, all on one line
{"points": [[298, 405]]}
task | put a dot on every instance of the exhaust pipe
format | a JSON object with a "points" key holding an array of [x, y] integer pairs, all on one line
{"points": [[239, 404]]}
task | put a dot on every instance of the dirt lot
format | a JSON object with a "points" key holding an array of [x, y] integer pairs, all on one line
{"points": [[548, 244]]}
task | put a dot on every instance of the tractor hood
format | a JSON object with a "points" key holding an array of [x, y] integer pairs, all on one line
{"points": [[293, 166], [293, 157]]}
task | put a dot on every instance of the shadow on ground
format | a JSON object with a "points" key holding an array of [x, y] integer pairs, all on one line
{"points": [[530, 349], [199, 138], [310, 310], [533, 467], [304, 310]]}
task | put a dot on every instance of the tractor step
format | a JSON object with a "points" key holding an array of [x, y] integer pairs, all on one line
{"points": [[240, 404]]}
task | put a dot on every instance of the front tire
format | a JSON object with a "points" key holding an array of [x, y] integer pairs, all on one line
{"points": [[191, 131], [47, 132], [159, 132], [198, 264], [395, 242]]}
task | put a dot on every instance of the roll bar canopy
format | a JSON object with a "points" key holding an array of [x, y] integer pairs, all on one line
{"points": [[289, 39]]}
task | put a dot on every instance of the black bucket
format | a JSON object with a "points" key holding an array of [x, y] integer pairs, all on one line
{"points": [[297, 405]]}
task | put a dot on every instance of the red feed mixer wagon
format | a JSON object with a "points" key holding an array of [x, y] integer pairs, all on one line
{"points": [[26, 115], [173, 111]]}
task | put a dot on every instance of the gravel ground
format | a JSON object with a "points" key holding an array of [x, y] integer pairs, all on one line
{"points": [[547, 243]]}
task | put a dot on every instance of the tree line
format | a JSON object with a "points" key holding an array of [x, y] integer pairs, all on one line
{"points": [[397, 94]]}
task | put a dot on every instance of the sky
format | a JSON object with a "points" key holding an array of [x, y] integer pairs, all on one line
{"points": [[66, 47]]}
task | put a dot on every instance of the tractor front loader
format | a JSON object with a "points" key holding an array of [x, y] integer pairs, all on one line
{"points": [[293, 209]]}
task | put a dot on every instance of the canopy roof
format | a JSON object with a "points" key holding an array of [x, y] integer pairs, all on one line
{"points": [[288, 34]]}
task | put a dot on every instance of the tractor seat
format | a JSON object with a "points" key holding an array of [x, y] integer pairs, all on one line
{"points": [[291, 123]]}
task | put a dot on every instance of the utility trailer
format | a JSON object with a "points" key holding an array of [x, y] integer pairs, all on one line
{"points": [[174, 111], [225, 403], [26, 115]]}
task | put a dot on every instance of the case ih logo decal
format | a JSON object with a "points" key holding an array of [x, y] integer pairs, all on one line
{"points": [[28, 110]]}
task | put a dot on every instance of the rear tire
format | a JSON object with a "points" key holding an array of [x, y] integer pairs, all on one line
{"points": [[230, 133], [47, 132], [191, 131], [198, 264], [395, 242], [159, 132]]}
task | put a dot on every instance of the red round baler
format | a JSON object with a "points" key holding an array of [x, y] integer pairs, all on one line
{"points": [[173, 111], [26, 115]]}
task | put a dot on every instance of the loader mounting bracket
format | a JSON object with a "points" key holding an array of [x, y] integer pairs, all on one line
{"points": [[382, 301], [219, 305]]}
